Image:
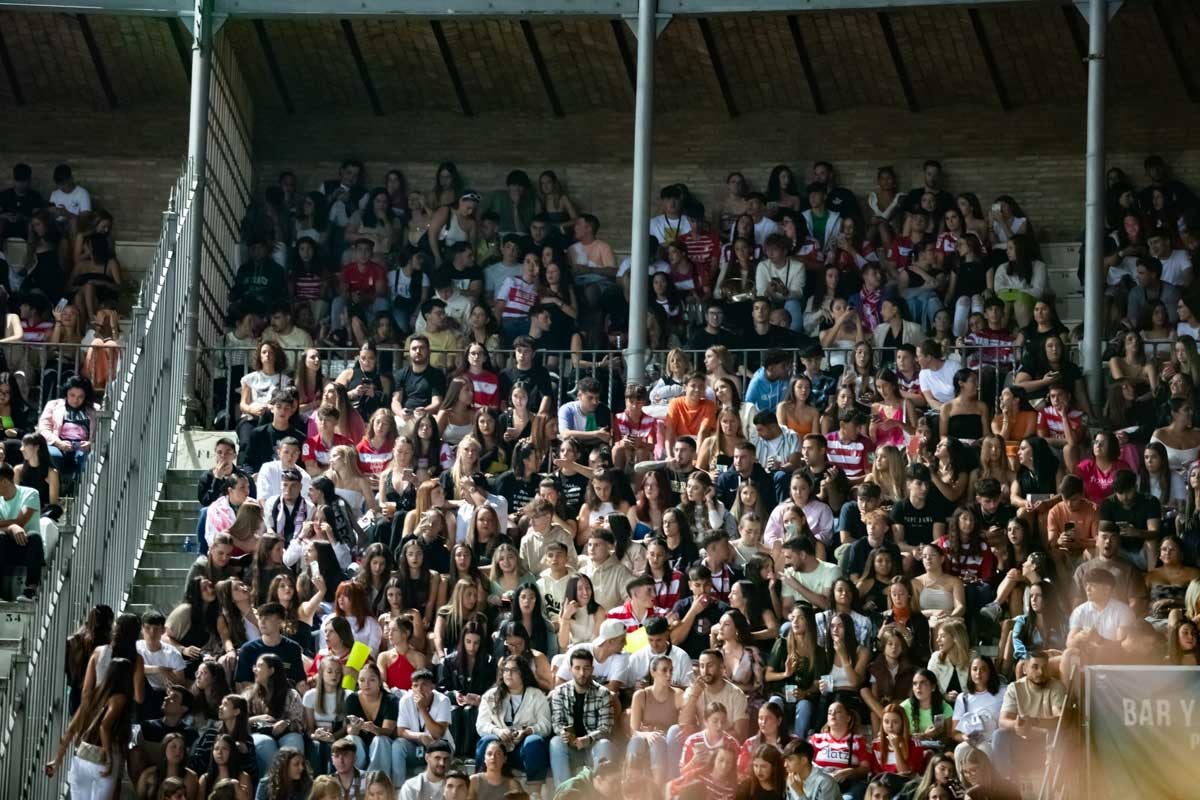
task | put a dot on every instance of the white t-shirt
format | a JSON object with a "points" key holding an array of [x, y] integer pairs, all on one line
{"points": [[819, 581], [166, 656], [657, 266], [764, 228], [1186, 329], [262, 385], [616, 668], [638, 667], [1106, 622], [979, 713], [1174, 268], [940, 383], [462, 521], [76, 201], [324, 717], [401, 286], [410, 719], [668, 230]]}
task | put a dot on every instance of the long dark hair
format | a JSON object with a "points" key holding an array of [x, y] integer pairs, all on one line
{"points": [[203, 615], [126, 632], [775, 182], [95, 631], [570, 593], [213, 775], [849, 634], [117, 681], [1021, 266], [752, 787], [936, 698], [275, 695], [1045, 463], [369, 218]]}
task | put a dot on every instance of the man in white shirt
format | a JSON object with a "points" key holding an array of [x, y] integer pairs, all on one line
{"points": [[764, 226], [658, 636], [781, 278], [422, 721], [164, 664], [610, 662], [291, 337], [1176, 264], [509, 265], [430, 784], [936, 375], [70, 199], [670, 224], [1099, 625], [806, 577], [269, 480]]}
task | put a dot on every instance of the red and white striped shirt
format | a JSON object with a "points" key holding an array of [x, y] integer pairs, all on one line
{"points": [[704, 250], [667, 591], [314, 448], [645, 428], [486, 386], [518, 297], [852, 457], [372, 461], [996, 348], [1050, 420], [698, 745], [625, 615], [831, 753], [911, 385]]}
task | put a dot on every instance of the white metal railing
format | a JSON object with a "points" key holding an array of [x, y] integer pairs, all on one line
{"points": [[138, 422]]}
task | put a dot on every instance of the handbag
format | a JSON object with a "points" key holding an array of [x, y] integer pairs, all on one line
{"points": [[92, 753]]}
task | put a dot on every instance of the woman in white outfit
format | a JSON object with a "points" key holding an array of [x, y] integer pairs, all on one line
{"points": [[97, 735]]}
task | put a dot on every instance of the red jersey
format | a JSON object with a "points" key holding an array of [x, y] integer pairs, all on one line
{"points": [[363, 278], [915, 760], [668, 590], [372, 461], [646, 428], [316, 449], [624, 614], [487, 389], [831, 753], [972, 567], [996, 348]]}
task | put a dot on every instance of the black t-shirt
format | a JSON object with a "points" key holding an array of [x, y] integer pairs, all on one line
{"points": [[1003, 515], [917, 522], [462, 278], [536, 381], [1144, 508], [23, 205], [419, 388], [698, 637], [437, 557], [702, 339], [860, 551], [261, 444], [288, 651], [578, 727], [155, 730]]}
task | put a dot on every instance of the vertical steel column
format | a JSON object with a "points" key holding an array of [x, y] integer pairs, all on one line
{"points": [[1093, 283], [202, 36], [643, 130]]}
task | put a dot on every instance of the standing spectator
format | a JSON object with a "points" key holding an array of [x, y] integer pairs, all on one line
{"points": [[98, 735]]}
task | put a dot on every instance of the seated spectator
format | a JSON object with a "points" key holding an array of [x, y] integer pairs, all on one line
{"points": [[419, 386], [837, 750], [1028, 716], [260, 281], [1072, 524], [576, 733], [69, 426], [18, 204], [270, 477], [806, 578], [1100, 624], [433, 778], [263, 440], [937, 374], [69, 199], [1130, 586], [20, 537], [523, 724]]}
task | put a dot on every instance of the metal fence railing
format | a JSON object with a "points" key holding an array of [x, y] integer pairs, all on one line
{"points": [[227, 365]]}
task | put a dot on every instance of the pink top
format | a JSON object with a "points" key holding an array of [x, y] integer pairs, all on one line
{"points": [[1097, 484]]}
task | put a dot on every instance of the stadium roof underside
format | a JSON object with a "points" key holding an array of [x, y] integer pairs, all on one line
{"points": [[492, 8]]}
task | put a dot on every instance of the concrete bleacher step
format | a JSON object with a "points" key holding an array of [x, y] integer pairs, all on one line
{"points": [[163, 568]]}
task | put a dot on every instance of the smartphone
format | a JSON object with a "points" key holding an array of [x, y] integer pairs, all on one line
{"points": [[996, 208], [314, 569]]}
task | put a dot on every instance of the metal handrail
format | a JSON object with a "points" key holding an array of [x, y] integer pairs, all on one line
{"points": [[1065, 738]]}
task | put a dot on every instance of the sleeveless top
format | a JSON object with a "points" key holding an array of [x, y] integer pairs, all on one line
{"points": [[965, 426], [893, 436], [1179, 460], [659, 715], [601, 513], [455, 433], [453, 233], [935, 598], [399, 673], [485, 791]]}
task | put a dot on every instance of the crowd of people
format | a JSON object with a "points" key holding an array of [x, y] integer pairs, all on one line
{"points": [[852, 539]]}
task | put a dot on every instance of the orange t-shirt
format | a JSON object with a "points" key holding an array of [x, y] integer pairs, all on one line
{"points": [[1025, 424], [1086, 519], [685, 420]]}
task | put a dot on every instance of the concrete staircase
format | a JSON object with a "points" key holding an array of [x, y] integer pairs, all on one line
{"points": [[159, 581]]}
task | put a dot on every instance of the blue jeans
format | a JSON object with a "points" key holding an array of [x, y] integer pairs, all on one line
{"points": [[675, 736], [404, 753], [202, 548], [565, 760], [804, 715], [74, 461], [923, 303], [795, 308], [1015, 755], [265, 748], [656, 749], [377, 757], [532, 757]]}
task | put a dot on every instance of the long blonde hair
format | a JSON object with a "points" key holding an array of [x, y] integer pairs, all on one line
{"points": [[350, 470], [959, 655], [888, 472], [248, 522], [456, 471], [987, 469]]}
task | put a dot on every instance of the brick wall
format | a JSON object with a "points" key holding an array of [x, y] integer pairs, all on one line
{"points": [[127, 159], [1035, 154]]}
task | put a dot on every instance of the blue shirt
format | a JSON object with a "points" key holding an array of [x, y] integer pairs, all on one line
{"points": [[765, 394]]}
